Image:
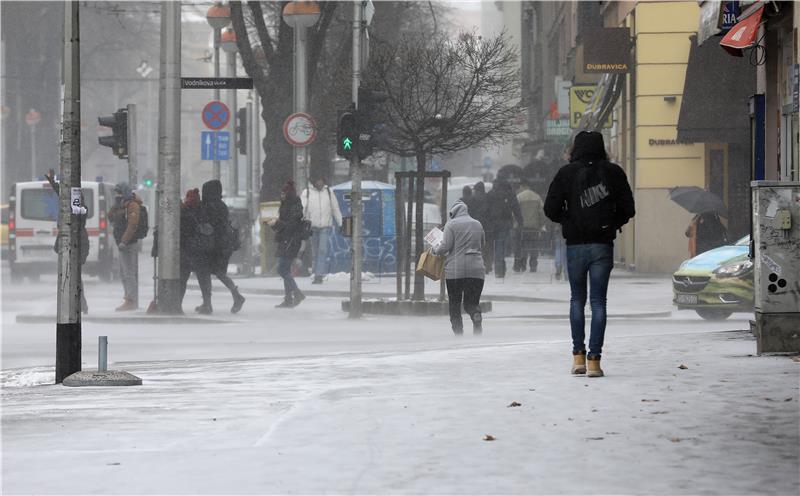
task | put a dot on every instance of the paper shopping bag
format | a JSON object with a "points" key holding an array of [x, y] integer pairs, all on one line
{"points": [[431, 265]]}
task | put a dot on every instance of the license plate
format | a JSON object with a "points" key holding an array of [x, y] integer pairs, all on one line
{"points": [[687, 299]]}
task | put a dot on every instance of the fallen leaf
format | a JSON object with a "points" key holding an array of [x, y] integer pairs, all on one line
{"points": [[114, 463], [659, 413], [649, 401], [594, 410], [769, 399], [788, 399], [513, 404], [682, 367], [594, 438], [488, 437], [531, 390], [675, 439]]}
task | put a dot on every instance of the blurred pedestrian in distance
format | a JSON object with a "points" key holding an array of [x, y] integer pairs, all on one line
{"points": [[705, 232], [218, 240], [591, 198], [466, 194], [528, 234], [321, 208], [288, 228], [124, 216], [462, 244], [503, 211], [478, 210]]}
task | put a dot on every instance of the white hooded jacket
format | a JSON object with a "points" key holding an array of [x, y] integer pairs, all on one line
{"points": [[321, 207]]}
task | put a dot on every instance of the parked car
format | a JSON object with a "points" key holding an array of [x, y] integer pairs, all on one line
{"points": [[32, 225], [716, 283]]}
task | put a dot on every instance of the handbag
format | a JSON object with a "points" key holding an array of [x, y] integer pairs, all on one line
{"points": [[430, 265], [305, 229]]}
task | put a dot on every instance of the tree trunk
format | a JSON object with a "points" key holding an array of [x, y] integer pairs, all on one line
{"points": [[419, 279]]}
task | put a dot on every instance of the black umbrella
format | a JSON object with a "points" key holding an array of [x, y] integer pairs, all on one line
{"points": [[697, 200]]}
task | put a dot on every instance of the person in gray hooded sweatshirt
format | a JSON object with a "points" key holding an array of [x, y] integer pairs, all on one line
{"points": [[463, 245]]}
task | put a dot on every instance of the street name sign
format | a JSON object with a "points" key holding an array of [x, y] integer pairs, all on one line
{"points": [[206, 83]]}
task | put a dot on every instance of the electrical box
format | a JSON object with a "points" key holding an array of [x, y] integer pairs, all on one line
{"points": [[776, 256]]}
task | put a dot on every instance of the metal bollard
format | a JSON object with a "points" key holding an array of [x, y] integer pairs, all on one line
{"points": [[102, 355]]}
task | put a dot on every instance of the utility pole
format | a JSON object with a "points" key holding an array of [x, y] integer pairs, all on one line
{"points": [[169, 160], [233, 188], [250, 185], [217, 34], [355, 175], [68, 325], [133, 161]]}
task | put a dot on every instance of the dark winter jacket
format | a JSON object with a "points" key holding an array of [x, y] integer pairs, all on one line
{"points": [[571, 200], [213, 211], [288, 229], [503, 208], [477, 205], [190, 254]]}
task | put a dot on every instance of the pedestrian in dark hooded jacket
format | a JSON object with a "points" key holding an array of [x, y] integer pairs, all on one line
{"points": [[466, 194], [190, 223], [288, 236], [478, 210], [462, 244], [214, 256], [591, 198], [503, 211]]}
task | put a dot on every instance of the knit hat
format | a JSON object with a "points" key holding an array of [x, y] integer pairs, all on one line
{"points": [[192, 198]]}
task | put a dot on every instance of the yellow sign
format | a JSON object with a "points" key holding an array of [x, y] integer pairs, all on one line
{"points": [[579, 99]]}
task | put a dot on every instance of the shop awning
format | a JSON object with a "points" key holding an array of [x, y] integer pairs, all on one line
{"points": [[715, 96], [743, 34]]}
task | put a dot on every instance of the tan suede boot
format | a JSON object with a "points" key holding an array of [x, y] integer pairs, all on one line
{"points": [[579, 362], [594, 367]]}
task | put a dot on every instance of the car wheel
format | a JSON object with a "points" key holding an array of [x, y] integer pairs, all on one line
{"points": [[709, 314]]}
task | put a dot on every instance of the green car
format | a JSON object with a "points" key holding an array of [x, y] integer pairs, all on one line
{"points": [[716, 283]]}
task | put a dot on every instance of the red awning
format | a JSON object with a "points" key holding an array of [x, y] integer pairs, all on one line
{"points": [[743, 34]]}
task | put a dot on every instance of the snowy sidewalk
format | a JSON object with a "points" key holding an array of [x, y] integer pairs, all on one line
{"points": [[414, 422]]}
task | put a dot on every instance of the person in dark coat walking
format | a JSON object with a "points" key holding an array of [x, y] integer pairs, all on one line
{"points": [[476, 204], [288, 228], [190, 224], [215, 253], [591, 198], [463, 269], [503, 211]]}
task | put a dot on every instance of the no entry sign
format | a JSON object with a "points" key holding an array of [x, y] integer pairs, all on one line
{"points": [[216, 115]]}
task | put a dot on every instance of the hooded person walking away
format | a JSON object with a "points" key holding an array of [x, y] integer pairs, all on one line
{"points": [[190, 242], [288, 235], [321, 208], [478, 210], [124, 216], [463, 244], [528, 234], [503, 211], [591, 198], [216, 244]]}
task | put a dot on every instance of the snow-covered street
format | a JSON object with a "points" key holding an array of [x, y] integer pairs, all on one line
{"points": [[306, 401]]}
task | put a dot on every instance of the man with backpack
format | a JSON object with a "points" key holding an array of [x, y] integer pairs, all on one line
{"points": [[129, 218], [591, 198], [321, 208]]}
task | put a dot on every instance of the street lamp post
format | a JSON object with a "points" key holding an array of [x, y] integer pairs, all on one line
{"points": [[218, 16], [228, 43], [300, 16]]}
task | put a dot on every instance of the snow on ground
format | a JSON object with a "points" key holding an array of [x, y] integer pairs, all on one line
{"points": [[306, 401]]}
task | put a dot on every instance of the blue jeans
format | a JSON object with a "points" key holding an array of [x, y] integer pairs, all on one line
{"points": [[319, 247], [500, 239], [596, 260], [285, 271]]}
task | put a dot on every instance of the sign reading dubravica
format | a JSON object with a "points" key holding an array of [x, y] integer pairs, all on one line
{"points": [[606, 50]]}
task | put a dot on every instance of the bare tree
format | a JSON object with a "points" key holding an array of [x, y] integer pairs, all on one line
{"points": [[444, 95]]}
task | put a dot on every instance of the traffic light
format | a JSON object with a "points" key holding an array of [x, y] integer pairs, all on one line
{"points": [[118, 141], [241, 130], [148, 179], [371, 119], [346, 134]]}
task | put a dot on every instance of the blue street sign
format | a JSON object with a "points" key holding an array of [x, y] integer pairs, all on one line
{"points": [[207, 145], [215, 145], [223, 145]]}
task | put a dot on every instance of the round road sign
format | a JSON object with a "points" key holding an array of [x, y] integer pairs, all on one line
{"points": [[300, 129], [216, 115], [33, 117]]}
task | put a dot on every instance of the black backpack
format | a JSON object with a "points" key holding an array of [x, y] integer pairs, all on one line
{"points": [[141, 229], [592, 202]]}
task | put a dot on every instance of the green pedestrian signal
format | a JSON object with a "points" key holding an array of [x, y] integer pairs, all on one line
{"points": [[347, 143], [347, 133]]}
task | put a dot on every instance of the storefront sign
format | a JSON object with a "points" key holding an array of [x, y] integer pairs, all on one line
{"points": [[663, 142], [728, 13], [607, 50], [558, 129], [579, 99]]}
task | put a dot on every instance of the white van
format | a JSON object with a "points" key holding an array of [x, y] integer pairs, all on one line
{"points": [[32, 230]]}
